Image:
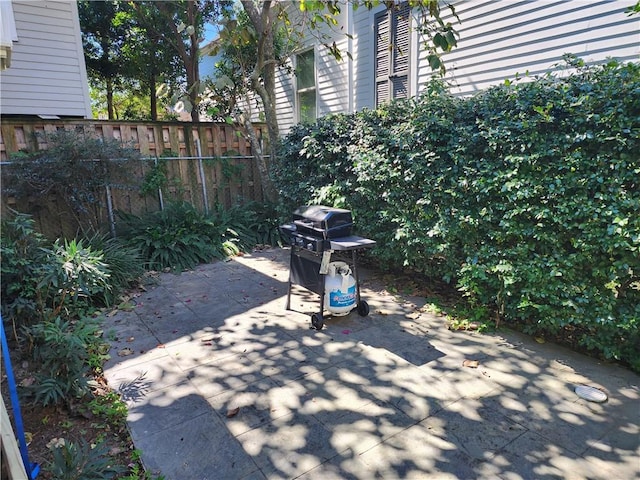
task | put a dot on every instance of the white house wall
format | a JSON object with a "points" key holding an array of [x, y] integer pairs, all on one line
{"points": [[363, 44], [332, 88], [499, 39], [285, 100], [47, 74]]}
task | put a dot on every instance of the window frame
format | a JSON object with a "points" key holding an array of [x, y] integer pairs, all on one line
{"points": [[306, 90]]}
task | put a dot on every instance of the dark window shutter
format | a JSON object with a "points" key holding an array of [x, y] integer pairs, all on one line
{"points": [[400, 51], [382, 60], [392, 49]]}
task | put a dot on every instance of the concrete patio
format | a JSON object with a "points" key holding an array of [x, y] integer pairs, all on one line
{"points": [[223, 383]]}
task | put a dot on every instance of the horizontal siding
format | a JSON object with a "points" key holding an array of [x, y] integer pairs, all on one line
{"points": [[363, 55], [47, 74], [285, 103], [501, 39], [332, 81]]}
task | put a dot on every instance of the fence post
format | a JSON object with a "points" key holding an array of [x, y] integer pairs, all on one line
{"points": [[112, 220], [160, 197], [205, 197]]}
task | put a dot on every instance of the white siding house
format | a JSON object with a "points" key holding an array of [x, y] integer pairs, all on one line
{"points": [[498, 40], [47, 74]]}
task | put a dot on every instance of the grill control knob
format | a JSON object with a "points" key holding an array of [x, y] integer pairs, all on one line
{"points": [[309, 246]]}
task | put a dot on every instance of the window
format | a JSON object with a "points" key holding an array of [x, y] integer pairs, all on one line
{"points": [[392, 53], [306, 86]]}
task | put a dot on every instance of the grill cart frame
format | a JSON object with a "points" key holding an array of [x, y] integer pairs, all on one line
{"points": [[316, 233]]}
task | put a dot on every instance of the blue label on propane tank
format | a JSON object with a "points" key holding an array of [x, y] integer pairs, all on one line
{"points": [[339, 299]]}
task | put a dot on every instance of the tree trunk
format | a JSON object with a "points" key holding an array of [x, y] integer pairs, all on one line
{"points": [[192, 64], [268, 190], [153, 98], [110, 99], [263, 82]]}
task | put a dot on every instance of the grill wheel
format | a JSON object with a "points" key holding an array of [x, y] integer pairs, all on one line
{"points": [[317, 321]]}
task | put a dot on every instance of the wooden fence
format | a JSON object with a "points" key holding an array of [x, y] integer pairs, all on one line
{"points": [[207, 165]]}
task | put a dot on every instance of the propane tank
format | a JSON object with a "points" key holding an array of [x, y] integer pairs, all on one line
{"points": [[340, 289]]}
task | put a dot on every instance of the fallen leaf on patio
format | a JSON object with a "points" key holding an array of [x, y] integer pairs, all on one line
{"points": [[160, 345], [471, 363], [540, 339], [125, 352], [126, 306], [383, 312], [346, 332], [209, 344], [130, 339], [413, 316], [233, 412], [112, 313]]}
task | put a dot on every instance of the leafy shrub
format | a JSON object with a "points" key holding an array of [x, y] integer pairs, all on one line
{"points": [[63, 349], [75, 278], [81, 461], [124, 262], [180, 237], [22, 267], [74, 170], [526, 196]]}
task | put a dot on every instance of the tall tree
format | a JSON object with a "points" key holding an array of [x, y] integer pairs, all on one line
{"points": [[104, 29], [180, 23], [151, 62]]}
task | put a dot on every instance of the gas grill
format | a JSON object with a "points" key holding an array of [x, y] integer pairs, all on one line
{"points": [[316, 233]]}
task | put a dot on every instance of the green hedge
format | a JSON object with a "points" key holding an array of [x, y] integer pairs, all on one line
{"points": [[527, 196]]}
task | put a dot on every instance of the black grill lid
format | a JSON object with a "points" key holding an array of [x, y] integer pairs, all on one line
{"points": [[322, 221]]}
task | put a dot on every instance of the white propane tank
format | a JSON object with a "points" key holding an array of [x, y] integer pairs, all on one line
{"points": [[339, 289]]}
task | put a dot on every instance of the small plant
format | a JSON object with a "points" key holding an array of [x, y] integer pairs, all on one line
{"points": [[75, 278], [80, 461], [62, 349], [137, 471], [110, 407]]}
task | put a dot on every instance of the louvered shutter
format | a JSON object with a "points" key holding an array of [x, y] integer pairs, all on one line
{"points": [[392, 53], [383, 60], [400, 51]]}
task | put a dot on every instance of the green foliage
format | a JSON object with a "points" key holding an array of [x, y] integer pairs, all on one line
{"points": [[74, 170], [110, 407], [81, 461], [124, 263], [21, 267], [63, 349], [75, 278], [155, 179], [180, 237], [526, 196], [137, 471]]}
